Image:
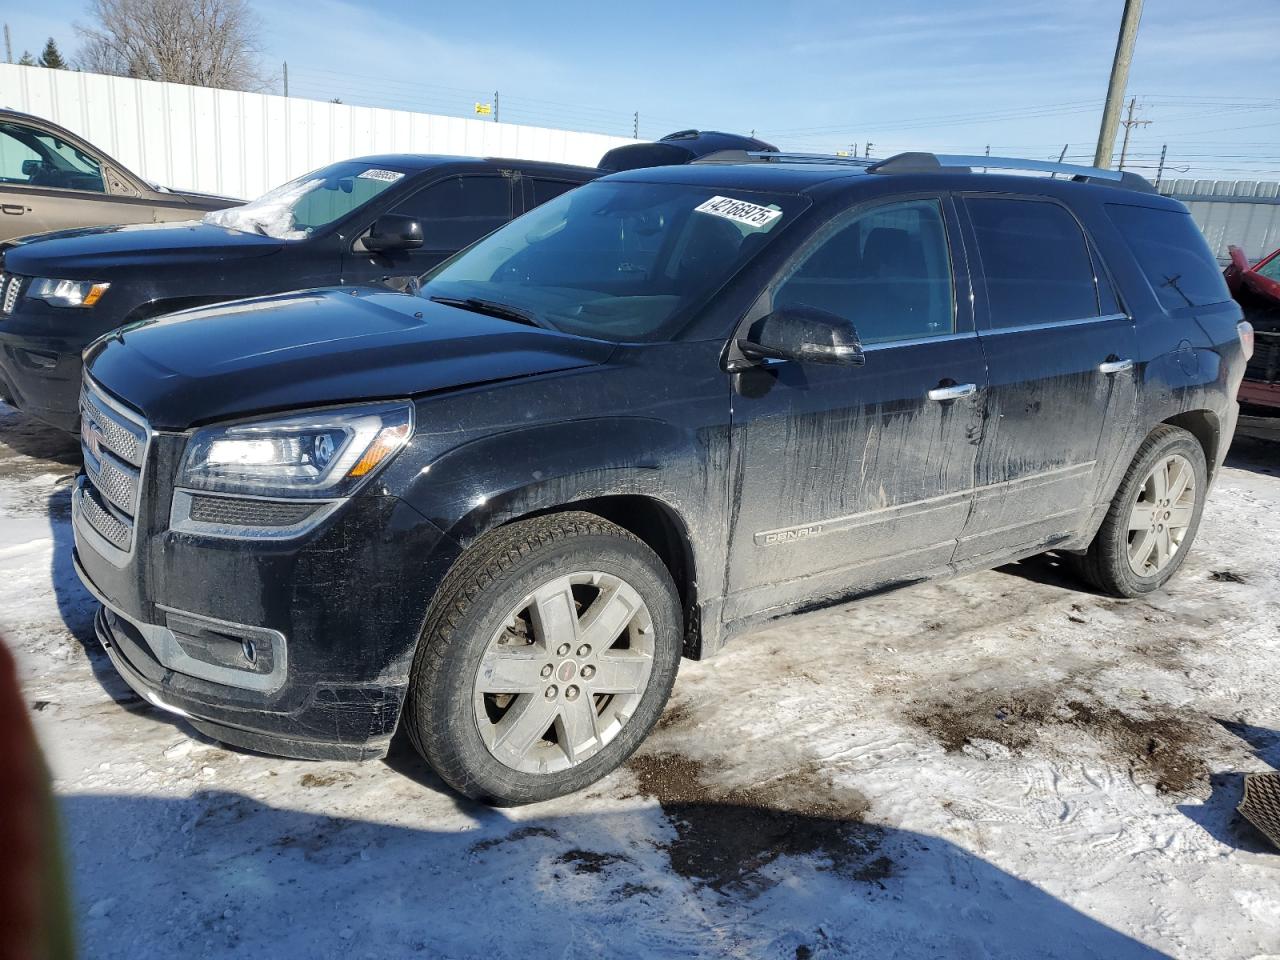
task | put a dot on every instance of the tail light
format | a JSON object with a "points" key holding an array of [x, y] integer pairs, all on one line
{"points": [[1245, 329]]}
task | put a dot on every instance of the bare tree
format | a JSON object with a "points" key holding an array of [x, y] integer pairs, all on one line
{"points": [[206, 43]]}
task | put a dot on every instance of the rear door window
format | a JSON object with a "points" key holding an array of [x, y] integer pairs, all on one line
{"points": [[1173, 255], [540, 190], [455, 213], [1035, 261], [888, 271]]}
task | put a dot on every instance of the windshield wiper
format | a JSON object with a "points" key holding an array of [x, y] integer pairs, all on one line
{"points": [[492, 308]]}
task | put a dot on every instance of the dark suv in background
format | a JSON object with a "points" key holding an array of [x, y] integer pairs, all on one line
{"points": [[651, 414], [381, 219], [370, 220]]}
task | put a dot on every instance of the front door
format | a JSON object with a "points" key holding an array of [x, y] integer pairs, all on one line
{"points": [[1060, 356], [454, 213], [851, 477], [49, 184]]}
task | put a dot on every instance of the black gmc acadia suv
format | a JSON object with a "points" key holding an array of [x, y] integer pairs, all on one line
{"points": [[648, 415]]}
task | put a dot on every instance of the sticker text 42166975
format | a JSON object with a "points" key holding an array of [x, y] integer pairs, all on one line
{"points": [[740, 211]]}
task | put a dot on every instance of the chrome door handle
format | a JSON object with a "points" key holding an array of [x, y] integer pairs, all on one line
{"points": [[954, 392], [1115, 366]]}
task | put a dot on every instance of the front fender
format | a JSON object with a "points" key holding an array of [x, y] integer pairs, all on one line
{"points": [[486, 482]]}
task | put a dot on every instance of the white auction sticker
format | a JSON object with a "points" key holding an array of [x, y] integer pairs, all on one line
{"points": [[740, 211], [387, 176]]}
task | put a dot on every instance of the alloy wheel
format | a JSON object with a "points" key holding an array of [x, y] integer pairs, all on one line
{"points": [[1161, 515], [564, 673]]}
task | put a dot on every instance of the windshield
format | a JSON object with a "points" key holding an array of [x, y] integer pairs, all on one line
{"points": [[617, 260], [1271, 268], [300, 207]]}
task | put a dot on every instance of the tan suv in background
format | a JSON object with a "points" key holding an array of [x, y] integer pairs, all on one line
{"points": [[50, 179]]}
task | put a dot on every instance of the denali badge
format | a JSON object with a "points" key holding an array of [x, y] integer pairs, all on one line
{"points": [[788, 536]]}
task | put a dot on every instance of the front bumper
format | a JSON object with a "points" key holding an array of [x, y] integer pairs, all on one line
{"points": [[337, 611], [41, 377], [334, 723]]}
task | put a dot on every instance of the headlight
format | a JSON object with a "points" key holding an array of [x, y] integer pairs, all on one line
{"points": [[324, 454], [66, 293]]}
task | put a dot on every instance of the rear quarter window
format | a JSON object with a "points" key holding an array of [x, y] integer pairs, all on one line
{"points": [[1172, 254]]}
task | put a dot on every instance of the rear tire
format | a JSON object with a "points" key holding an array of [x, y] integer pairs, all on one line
{"points": [[547, 657], [1149, 528]]}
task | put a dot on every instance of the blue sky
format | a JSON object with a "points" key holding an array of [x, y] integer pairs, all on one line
{"points": [[1025, 78]]}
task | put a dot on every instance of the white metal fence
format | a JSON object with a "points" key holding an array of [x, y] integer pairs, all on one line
{"points": [[1245, 213], [242, 144]]}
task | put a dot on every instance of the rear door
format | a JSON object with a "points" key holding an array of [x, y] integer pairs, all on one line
{"points": [[848, 477], [1060, 355]]}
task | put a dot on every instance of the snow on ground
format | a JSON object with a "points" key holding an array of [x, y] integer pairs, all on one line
{"points": [[1001, 765]]}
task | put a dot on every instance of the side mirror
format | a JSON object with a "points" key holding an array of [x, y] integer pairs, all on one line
{"points": [[392, 232], [806, 334], [31, 168]]}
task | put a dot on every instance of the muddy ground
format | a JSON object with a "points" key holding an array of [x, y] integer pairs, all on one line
{"points": [[998, 765]]}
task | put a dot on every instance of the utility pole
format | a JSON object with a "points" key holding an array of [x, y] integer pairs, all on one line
{"points": [[1160, 169], [635, 126], [1129, 124], [1119, 80], [495, 106], [286, 78], [867, 151], [8, 46]]}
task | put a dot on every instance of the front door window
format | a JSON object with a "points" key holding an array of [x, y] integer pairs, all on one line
{"points": [[35, 158]]}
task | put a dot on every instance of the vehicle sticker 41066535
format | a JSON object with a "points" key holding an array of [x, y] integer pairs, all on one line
{"points": [[740, 211], [376, 173]]}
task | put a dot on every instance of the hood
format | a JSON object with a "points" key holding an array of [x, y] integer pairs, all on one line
{"points": [[84, 253], [317, 347]]}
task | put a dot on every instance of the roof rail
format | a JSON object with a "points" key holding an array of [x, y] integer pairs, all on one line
{"points": [[771, 156], [957, 163]]}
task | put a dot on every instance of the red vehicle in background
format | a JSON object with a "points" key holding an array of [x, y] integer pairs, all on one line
{"points": [[1257, 289]]}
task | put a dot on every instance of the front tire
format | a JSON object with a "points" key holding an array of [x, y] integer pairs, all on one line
{"points": [[1153, 518], [547, 657]]}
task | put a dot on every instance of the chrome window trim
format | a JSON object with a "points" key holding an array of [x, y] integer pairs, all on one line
{"points": [[180, 517], [916, 341], [1028, 327]]}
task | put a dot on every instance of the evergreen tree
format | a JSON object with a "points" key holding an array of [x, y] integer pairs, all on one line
{"points": [[52, 57], [26, 60]]}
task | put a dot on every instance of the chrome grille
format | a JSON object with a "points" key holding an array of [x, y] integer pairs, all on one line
{"points": [[117, 532], [113, 442], [10, 287]]}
